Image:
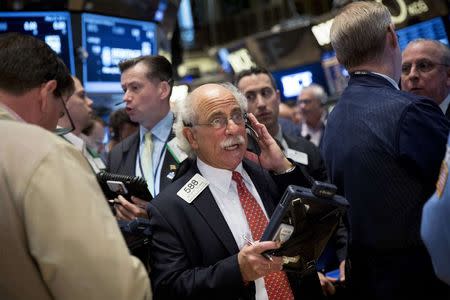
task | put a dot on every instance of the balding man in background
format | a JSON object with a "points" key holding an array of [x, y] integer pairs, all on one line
{"points": [[310, 102], [426, 71]]}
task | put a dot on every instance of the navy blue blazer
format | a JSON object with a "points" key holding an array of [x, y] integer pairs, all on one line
{"points": [[193, 252], [383, 148], [122, 160]]}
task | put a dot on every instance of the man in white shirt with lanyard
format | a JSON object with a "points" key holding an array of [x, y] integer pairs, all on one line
{"points": [[79, 106], [147, 83]]}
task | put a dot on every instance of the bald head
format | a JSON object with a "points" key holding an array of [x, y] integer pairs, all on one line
{"points": [[426, 69]]}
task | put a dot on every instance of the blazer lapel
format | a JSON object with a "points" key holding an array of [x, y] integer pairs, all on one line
{"points": [[262, 186], [129, 155]]}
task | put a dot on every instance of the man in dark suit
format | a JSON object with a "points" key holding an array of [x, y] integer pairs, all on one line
{"points": [[147, 83], [202, 225], [383, 148], [430, 76], [263, 98]]}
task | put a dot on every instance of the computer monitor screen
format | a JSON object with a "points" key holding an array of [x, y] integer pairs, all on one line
{"points": [[52, 27], [109, 40], [431, 29], [291, 81], [335, 73]]}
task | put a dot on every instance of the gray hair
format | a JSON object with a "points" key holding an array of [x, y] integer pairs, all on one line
{"points": [[358, 32], [318, 91], [444, 49], [187, 116]]}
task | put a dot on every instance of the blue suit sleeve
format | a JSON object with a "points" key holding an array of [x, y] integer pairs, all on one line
{"points": [[435, 228]]}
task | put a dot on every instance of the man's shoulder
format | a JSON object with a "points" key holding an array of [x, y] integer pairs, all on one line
{"points": [[25, 146], [299, 143], [126, 143], [32, 137]]}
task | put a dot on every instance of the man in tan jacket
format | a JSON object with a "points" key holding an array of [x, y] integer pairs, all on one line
{"points": [[58, 238]]}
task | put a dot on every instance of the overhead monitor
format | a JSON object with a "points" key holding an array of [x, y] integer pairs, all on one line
{"points": [[52, 27], [291, 81], [235, 59], [335, 74], [109, 40], [431, 29]]}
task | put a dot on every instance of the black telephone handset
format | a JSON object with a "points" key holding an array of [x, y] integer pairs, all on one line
{"points": [[253, 138]]}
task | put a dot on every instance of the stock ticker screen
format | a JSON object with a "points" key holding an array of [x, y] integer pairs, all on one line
{"points": [[433, 29], [52, 27], [109, 40]]}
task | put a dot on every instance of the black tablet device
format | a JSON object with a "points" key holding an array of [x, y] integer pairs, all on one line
{"points": [[114, 184], [303, 223]]}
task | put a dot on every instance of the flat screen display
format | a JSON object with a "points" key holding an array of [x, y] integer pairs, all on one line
{"points": [[291, 81], [433, 29], [335, 74], [109, 40], [52, 27]]}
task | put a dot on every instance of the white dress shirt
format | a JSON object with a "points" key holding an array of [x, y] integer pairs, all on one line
{"points": [[225, 193]]}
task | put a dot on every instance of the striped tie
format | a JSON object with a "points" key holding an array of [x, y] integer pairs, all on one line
{"points": [[147, 160]]}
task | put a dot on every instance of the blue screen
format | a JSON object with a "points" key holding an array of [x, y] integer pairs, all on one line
{"points": [[52, 27], [109, 40], [291, 81], [335, 73], [433, 29]]}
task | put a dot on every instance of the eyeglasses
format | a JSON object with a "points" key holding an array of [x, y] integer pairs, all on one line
{"points": [[62, 130], [221, 121], [422, 66]]}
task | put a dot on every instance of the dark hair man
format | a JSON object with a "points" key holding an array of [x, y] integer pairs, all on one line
{"points": [[147, 83], [59, 239]]}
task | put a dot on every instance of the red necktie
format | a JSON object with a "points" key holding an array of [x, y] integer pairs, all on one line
{"points": [[277, 284]]}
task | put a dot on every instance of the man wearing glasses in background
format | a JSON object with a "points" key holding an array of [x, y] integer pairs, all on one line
{"points": [[426, 71], [58, 237], [311, 102]]}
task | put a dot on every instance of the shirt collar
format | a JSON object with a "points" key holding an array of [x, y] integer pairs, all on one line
{"points": [[444, 104], [220, 178], [161, 130], [76, 141], [392, 81], [7, 113]]}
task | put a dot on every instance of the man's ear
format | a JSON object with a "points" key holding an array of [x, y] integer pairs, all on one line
{"points": [[164, 89], [190, 136], [46, 93], [278, 95]]}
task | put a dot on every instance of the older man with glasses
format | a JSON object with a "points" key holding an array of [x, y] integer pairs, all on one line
{"points": [[426, 71], [207, 226]]}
